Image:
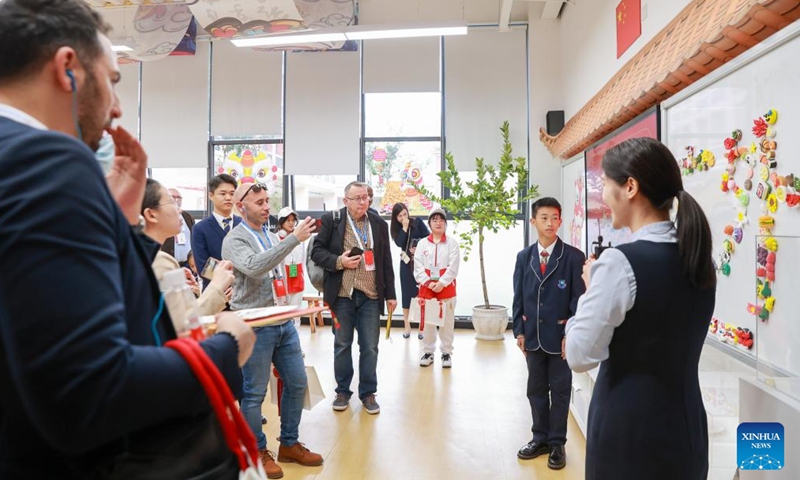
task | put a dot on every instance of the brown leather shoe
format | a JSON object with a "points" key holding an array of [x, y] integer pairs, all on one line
{"points": [[270, 467], [298, 453]]}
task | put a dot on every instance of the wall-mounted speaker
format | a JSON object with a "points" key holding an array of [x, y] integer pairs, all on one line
{"points": [[555, 122]]}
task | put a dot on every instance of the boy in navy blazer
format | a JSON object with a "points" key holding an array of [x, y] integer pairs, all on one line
{"points": [[547, 285], [207, 235]]}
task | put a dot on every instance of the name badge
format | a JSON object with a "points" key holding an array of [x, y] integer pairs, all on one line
{"points": [[279, 292], [404, 256], [180, 239], [369, 260], [292, 270]]}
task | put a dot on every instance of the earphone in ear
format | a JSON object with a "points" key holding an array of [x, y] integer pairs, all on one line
{"points": [[71, 79]]}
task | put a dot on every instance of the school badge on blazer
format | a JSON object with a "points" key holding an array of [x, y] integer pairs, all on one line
{"points": [[562, 284]]}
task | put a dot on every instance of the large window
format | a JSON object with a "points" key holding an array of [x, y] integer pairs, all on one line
{"points": [[253, 162], [191, 182], [319, 192], [402, 148], [394, 168]]}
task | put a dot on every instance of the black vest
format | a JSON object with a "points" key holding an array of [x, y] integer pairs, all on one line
{"points": [[646, 419]]}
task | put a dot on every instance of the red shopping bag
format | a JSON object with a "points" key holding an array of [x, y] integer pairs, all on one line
{"points": [[295, 282]]}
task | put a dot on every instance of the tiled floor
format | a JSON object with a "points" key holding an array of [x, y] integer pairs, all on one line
{"points": [[467, 422], [719, 381]]}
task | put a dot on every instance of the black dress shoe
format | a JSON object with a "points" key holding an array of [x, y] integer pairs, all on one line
{"points": [[532, 450], [558, 458]]}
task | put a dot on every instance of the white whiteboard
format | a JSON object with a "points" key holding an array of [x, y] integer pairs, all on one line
{"points": [[573, 202], [766, 77]]}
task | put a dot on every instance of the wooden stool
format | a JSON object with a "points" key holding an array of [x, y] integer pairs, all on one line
{"points": [[315, 318]]}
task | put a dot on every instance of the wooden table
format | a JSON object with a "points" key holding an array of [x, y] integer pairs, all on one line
{"points": [[300, 312], [316, 319]]}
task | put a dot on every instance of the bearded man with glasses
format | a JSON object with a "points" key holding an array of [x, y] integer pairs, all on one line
{"points": [[360, 278]]}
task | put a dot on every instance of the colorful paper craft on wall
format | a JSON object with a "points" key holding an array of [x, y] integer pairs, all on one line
{"points": [[770, 189]]}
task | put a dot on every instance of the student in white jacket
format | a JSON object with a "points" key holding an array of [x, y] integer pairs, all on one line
{"points": [[436, 263], [287, 219]]}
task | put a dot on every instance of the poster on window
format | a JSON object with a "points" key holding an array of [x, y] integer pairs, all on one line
{"points": [[395, 168]]}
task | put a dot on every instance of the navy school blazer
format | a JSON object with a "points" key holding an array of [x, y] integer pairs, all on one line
{"points": [[207, 237], [543, 303]]}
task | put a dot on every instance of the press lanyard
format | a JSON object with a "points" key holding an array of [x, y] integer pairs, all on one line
{"points": [[264, 248], [361, 237]]}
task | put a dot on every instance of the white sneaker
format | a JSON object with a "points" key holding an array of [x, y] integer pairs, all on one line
{"points": [[426, 360], [447, 362]]}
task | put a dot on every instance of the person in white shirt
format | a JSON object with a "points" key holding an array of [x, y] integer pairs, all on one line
{"points": [[436, 263], [294, 263]]}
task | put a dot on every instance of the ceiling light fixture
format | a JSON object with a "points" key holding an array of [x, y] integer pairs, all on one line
{"points": [[292, 39], [358, 32]]}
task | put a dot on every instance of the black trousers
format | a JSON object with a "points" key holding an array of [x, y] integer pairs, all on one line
{"points": [[549, 389]]}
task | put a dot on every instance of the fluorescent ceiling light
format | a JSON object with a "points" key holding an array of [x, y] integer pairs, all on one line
{"points": [[292, 39], [121, 48], [406, 32], [358, 32]]}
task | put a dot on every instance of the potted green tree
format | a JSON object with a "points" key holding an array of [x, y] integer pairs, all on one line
{"points": [[491, 202]]}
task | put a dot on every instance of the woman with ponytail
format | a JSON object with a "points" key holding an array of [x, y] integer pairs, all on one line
{"points": [[645, 315]]}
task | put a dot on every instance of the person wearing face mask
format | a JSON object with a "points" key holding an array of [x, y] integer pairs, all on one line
{"points": [[294, 263], [85, 379], [162, 221]]}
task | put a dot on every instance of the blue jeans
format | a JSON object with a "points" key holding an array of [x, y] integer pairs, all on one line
{"points": [[280, 345], [363, 315]]}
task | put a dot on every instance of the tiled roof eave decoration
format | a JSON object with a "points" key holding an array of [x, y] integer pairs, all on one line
{"points": [[705, 35]]}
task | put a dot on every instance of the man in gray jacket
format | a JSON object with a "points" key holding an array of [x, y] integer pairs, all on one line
{"points": [[257, 256]]}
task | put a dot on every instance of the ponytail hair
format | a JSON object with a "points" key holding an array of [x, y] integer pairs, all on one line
{"points": [[653, 166], [694, 242]]}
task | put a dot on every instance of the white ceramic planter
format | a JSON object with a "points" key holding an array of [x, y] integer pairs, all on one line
{"points": [[491, 323]]}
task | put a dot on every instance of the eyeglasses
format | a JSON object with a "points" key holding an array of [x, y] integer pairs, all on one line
{"points": [[363, 199], [171, 202], [256, 187]]}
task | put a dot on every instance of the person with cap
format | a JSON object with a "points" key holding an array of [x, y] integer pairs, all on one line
{"points": [[436, 262], [294, 263]]}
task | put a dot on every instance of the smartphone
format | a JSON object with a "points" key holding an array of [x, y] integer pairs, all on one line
{"points": [[355, 251], [414, 242], [208, 269]]}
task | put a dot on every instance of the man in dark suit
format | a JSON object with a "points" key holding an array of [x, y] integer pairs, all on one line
{"points": [[547, 285], [180, 245], [207, 234], [83, 379], [356, 285]]}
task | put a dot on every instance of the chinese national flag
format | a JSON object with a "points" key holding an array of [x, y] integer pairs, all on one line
{"points": [[629, 24]]}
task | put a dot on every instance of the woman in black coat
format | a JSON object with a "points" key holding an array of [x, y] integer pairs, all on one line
{"points": [[406, 231]]}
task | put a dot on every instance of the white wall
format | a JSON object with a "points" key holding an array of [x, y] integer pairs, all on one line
{"points": [[589, 44], [546, 93]]}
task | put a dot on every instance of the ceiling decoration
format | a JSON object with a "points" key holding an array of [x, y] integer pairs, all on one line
{"points": [[247, 18], [318, 14], [151, 32], [154, 29], [703, 37]]}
